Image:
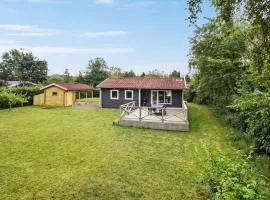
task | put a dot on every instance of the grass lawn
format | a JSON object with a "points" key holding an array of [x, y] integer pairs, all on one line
{"points": [[67, 153], [91, 100]]}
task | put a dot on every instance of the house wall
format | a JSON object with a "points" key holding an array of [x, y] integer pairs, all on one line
{"points": [[106, 102], [38, 100], [177, 98], [58, 100]]}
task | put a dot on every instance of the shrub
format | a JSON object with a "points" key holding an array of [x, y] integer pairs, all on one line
{"points": [[254, 108], [26, 91], [231, 179], [8, 99]]}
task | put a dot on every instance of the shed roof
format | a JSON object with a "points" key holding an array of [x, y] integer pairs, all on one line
{"points": [[69, 86], [143, 83]]}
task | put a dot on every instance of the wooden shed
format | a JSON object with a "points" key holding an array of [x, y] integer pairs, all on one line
{"points": [[60, 94]]}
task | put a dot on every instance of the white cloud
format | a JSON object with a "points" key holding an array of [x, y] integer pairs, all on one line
{"points": [[16, 27], [105, 2], [139, 4], [27, 30], [66, 50], [104, 34]]}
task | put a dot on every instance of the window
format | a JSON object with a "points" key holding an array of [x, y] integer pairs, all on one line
{"points": [[114, 94], [161, 97], [128, 94], [168, 96], [54, 94]]}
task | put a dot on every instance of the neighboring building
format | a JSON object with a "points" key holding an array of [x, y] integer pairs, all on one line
{"points": [[144, 91], [19, 83], [60, 94]]}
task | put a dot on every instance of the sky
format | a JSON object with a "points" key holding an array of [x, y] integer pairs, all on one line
{"points": [[141, 35]]}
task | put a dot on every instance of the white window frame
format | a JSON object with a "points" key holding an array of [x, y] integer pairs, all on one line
{"points": [[164, 97], [111, 91], [126, 95]]}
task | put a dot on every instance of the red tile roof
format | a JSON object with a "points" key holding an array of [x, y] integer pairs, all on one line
{"points": [[143, 83], [70, 86]]}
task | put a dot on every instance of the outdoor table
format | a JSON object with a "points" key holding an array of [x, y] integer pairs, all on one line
{"points": [[157, 109]]}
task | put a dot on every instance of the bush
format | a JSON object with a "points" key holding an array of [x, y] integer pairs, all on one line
{"points": [[231, 179], [26, 91], [10, 99], [254, 109]]}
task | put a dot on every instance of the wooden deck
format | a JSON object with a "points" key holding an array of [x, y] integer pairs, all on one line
{"points": [[173, 119]]}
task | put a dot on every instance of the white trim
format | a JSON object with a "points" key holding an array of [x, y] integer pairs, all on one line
{"points": [[126, 94], [54, 84], [111, 94], [139, 97], [100, 98], [157, 97]]}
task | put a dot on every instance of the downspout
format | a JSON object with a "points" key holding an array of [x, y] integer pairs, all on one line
{"points": [[139, 97]]}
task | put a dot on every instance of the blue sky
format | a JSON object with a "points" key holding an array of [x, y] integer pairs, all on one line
{"points": [[132, 34]]}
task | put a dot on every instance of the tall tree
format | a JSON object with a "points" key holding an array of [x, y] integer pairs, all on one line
{"points": [[256, 14], [218, 55], [97, 71], [175, 74], [67, 77], [17, 65], [80, 78]]}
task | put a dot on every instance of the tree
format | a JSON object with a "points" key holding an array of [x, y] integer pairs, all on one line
{"points": [[130, 73], [156, 74], [143, 74], [256, 14], [67, 77], [17, 65], [175, 74], [218, 56], [115, 72], [80, 78], [55, 78], [97, 71]]}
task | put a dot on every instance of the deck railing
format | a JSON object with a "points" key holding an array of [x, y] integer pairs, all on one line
{"points": [[129, 111], [127, 108]]}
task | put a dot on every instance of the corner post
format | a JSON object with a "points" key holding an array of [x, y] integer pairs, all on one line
{"points": [[162, 114], [140, 117]]}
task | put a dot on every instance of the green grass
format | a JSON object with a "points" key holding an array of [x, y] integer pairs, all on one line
{"points": [[90, 100], [67, 153]]}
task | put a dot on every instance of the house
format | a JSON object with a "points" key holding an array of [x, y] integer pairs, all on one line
{"points": [[60, 94], [115, 92]]}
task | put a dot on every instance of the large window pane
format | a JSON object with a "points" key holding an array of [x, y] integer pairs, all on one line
{"points": [[154, 97], [168, 96], [161, 97]]}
